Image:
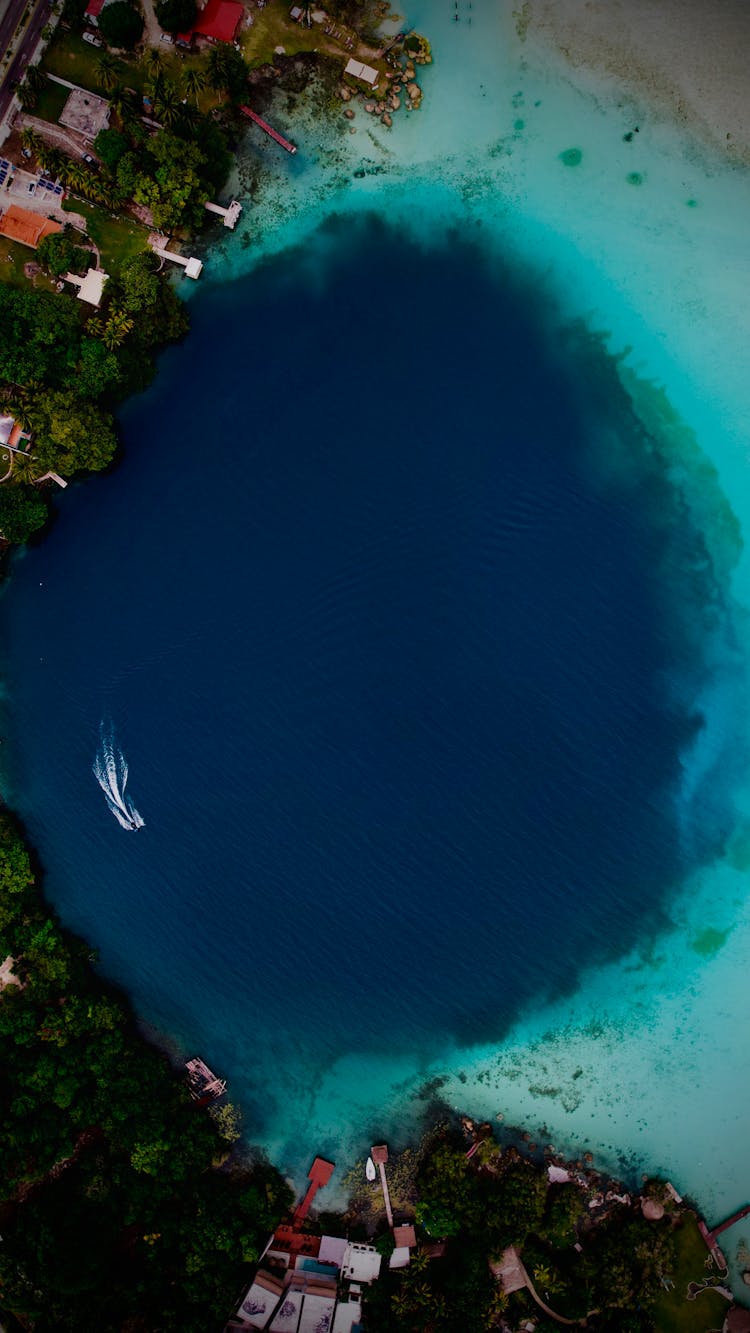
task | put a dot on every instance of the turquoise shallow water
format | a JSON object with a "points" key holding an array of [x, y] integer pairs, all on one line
{"points": [[587, 600]]}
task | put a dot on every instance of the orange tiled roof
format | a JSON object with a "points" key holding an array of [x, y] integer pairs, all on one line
{"points": [[20, 224]]}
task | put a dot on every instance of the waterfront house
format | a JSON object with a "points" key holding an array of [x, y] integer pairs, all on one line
{"points": [[365, 73]]}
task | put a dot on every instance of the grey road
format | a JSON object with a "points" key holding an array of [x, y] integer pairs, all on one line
{"points": [[39, 17]]}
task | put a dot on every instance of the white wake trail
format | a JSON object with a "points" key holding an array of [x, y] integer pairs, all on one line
{"points": [[111, 772]]}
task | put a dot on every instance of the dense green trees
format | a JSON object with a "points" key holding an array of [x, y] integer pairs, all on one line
{"points": [[60, 253], [175, 188], [110, 146], [113, 1216], [121, 24], [71, 434], [227, 71], [39, 336], [22, 511], [176, 15], [64, 367]]}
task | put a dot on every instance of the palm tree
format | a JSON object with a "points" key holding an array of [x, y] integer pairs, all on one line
{"points": [[122, 100], [168, 104], [36, 78], [152, 62], [107, 70], [95, 326], [189, 115], [217, 67], [155, 84], [193, 82], [76, 177], [32, 141], [51, 159], [25, 467], [117, 328]]}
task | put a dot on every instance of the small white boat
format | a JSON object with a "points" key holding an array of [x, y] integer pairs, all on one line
{"points": [[370, 1171]]}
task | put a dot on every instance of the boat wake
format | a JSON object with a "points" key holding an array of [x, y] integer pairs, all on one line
{"points": [[111, 772]]}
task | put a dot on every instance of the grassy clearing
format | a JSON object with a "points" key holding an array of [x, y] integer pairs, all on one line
{"points": [[118, 238], [273, 27], [673, 1312], [69, 57], [51, 101], [12, 259]]}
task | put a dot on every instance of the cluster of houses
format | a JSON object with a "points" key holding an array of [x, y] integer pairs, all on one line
{"points": [[314, 1284]]}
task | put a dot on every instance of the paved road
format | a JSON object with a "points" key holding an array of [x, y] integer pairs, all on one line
{"points": [[40, 17], [9, 23]]}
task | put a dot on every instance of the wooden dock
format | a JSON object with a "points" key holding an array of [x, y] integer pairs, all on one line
{"points": [[379, 1155], [319, 1175], [711, 1237], [204, 1086], [274, 134]]}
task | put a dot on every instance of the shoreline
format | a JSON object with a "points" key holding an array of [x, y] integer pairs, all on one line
{"points": [[597, 59], [689, 64]]}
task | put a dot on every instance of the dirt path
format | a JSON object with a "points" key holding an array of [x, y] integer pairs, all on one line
{"points": [[152, 31]]}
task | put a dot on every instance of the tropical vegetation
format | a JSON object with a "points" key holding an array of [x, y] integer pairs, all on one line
{"points": [[119, 1208]]}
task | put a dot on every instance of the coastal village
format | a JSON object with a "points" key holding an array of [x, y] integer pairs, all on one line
{"points": [[105, 132], [312, 1280]]}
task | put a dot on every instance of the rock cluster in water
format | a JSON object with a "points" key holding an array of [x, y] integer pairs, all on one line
{"points": [[402, 88]]}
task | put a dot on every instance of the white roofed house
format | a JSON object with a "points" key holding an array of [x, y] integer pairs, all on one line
{"points": [[365, 73], [361, 1263]]}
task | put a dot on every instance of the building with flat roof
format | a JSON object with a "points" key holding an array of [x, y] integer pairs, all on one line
{"points": [[86, 113], [361, 1263], [365, 73], [90, 287], [332, 1250]]}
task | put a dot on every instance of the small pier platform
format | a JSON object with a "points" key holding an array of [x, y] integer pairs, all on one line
{"points": [[231, 215], [379, 1155], [204, 1086], [319, 1175], [279, 138], [711, 1237], [193, 267]]}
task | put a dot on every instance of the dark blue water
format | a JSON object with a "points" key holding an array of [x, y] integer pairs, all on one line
{"points": [[387, 662]]}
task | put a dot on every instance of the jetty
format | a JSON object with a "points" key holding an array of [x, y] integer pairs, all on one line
{"points": [[319, 1175], [204, 1086], [279, 138], [230, 215], [379, 1155], [193, 267], [711, 1236]]}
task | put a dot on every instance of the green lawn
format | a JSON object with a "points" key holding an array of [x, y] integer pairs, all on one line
{"points": [[12, 259], [69, 57], [272, 27], [673, 1312], [51, 101], [118, 239]]}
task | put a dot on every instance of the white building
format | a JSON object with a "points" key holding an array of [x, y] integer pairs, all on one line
{"points": [[361, 1263]]}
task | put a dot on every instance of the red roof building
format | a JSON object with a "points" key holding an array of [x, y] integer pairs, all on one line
{"points": [[219, 20], [20, 224], [94, 9]]}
